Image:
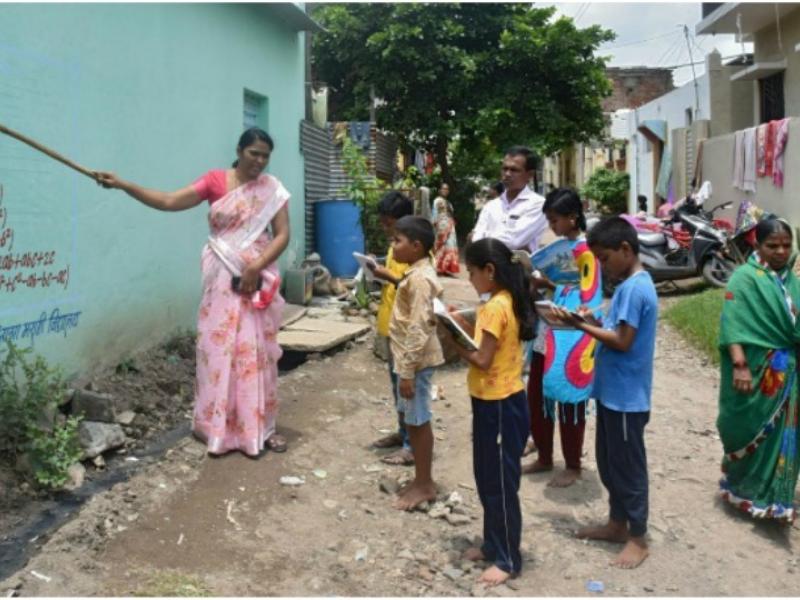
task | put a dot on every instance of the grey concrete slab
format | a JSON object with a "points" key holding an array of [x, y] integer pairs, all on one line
{"points": [[318, 335]]}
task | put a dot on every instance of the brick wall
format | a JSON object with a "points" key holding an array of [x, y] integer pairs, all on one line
{"points": [[636, 86]]}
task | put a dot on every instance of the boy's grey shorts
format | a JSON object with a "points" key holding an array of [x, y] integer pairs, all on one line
{"points": [[417, 410]]}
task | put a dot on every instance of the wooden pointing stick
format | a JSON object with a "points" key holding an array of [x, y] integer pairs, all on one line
{"points": [[47, 151]]}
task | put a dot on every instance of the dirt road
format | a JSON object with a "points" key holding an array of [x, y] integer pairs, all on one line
{"points": [[193, 525]]}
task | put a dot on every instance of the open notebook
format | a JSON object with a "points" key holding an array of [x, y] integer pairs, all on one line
{"points": [[366, 264], [461, 336]]}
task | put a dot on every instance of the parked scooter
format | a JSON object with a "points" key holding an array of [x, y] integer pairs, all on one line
{"points": [[689, 245]]}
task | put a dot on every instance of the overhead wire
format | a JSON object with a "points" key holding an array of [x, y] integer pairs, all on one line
{"points": [[670, 51], [580, 6], [650, 39], [700, 45], [581, 12], [697, 62]]}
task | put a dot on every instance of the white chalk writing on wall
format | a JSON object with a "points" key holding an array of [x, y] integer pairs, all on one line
{"points": [[37, 240], [29, 269]]}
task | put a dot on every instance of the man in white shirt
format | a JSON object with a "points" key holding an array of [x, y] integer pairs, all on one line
{"points": [[515, 218]]}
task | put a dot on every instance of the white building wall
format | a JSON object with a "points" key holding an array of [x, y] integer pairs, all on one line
{"points": [[672, 108]]}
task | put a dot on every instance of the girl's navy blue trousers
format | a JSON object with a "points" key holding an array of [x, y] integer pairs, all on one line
{"points": [[500, 430]]}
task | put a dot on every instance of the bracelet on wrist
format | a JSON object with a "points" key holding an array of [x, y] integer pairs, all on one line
{"points": [[740, 365]]}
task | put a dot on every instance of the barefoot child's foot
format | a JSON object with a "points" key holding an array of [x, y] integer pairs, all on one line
{"points": [[610, 532], [565, 478], [402, 457], [529, 447], [494, 575], [536, 467], [389, 441], [474, 554], [415, 494], [632, 555]]}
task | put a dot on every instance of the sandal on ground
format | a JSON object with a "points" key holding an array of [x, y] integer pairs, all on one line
{"points": [[276, 443], [390, 441], [402, 458]]}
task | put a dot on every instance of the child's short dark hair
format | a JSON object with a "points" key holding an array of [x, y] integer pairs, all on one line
{"points": [[611, 232], [416, 229], [395, 204]]}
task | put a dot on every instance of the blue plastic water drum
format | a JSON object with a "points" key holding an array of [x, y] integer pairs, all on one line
{"points": [[338, 234]]}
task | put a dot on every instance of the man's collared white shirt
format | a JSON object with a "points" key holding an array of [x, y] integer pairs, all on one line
{"points": [[518, 224]]}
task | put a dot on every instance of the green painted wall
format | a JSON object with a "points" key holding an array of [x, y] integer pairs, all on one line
{"points": [[155, 93]]}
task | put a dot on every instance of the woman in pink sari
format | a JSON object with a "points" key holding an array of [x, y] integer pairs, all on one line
{"points": [[236, 401]]}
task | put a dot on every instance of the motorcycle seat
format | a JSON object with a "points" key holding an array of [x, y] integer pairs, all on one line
{"points": [[652, 239]]}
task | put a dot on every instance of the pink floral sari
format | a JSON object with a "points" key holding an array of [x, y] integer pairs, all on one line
{"points": [[236, 399]]}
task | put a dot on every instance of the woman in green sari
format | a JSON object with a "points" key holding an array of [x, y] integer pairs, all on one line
{"points": [[758, 404]]}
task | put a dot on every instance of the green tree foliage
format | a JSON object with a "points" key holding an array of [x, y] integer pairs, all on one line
{"points": [[609, 189], [366, 191], [484, 76]]}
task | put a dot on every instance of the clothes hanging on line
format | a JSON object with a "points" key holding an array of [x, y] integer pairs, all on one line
{"points": [[759, 152], [749, 175], [738, 160], [360, 134], [781, 138]]}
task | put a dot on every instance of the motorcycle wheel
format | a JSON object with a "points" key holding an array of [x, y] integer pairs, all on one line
{"points": [[717, 271]]}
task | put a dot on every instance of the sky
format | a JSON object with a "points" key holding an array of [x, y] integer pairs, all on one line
{"points": [[650, 34]]}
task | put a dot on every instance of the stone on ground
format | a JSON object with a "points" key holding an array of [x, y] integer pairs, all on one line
{"points": [[96, 437]]}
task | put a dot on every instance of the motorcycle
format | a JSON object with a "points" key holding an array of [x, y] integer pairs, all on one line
{"points": [[688, 245], [691, 245]]}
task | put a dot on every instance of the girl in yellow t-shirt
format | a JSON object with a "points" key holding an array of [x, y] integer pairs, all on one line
{"points": [[500, 421]]}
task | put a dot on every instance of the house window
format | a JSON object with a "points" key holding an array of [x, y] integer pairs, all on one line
{"points": [[771, 92], [255, 110], [688, 117]]}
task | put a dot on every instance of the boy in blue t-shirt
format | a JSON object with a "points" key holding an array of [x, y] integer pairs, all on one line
{"points": [[623, 383]]}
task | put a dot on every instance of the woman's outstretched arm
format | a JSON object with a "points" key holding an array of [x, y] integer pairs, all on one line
{"points": [[181, 199]]}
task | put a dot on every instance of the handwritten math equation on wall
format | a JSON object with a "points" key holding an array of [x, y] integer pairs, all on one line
{"points": [[26, 270]]}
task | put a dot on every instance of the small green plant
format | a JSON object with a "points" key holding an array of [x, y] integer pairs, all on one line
{"points": [[128, 365], [365, 190], [30, 391], [173, 584], [52, 455], [362, 293], [609, 189]]}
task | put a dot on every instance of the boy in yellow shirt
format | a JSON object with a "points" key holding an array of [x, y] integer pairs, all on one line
{"points": [[392, 206]]}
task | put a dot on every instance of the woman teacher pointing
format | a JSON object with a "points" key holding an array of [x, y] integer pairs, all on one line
{"points": [[236, 400]]}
